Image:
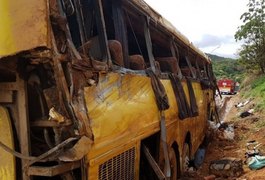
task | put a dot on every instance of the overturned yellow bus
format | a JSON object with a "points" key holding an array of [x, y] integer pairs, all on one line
{"points": [[98, 89]]}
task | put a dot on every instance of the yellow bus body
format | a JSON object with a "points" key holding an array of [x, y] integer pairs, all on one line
{"points": [[121, 107], [7, 162], [127, 103], [24, 26]]}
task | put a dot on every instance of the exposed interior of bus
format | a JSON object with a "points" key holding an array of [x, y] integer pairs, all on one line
{"points": [[106, 89]]}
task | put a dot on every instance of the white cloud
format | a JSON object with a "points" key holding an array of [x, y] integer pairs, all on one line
{"points": [[209, 40], [201, 20]]}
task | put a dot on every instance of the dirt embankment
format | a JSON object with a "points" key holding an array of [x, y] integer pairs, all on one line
{"points": [[245, 129]]}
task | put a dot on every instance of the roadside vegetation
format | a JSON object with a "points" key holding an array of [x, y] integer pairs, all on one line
{"points": [[249, 68], [253, 87], [252, 32], [252, 52], [227, 68]]}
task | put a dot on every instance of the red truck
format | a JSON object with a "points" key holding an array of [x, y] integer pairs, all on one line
{"points": [[227, 86]]}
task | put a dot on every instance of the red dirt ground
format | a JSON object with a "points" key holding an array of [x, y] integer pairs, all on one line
{"points": [[246, 129]]}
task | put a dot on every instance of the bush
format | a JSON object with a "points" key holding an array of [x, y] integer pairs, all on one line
{"points": [[254, 87]]}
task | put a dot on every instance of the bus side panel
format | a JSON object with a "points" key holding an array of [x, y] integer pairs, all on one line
{"points": [[123, 111], [196, 126], [7, 160], [120, 106], [200, 123]]}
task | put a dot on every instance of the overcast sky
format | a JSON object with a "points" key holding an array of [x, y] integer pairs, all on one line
{"points": [[209, 24]]}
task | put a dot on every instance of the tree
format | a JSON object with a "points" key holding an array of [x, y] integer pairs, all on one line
{"points": [[252, 53]]}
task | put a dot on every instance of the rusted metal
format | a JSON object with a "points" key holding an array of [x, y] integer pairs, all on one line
{"points": [[9, 86], [74, 105], [51, 123], [79, 105], [14, 153], [52, 151], [76, 153], [149, 43], [102, 31], [52, 170], [175, 52], [86, 93], [190, 67], [53, 99], [23, 123], [6, 96]]}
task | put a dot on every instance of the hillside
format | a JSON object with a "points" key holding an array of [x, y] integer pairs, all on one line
{"points": [[252, 86], [218, 58], [226, 68]]}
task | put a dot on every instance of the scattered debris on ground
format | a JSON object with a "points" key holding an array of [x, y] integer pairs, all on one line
{"points": [[231, 153], [242, 104], [254, 158], [226, 131], [247, 113], [226, 167]]}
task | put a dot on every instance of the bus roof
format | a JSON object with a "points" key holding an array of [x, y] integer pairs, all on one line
{"points": [[156, 17], [28, 27]]}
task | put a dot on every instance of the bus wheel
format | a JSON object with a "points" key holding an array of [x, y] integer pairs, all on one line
{"points": [[173, 164], [185, 157]]}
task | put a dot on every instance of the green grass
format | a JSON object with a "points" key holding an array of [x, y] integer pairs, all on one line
{"points": [[256, 89]]}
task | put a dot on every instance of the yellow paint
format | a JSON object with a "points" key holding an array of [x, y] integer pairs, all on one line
{"points": [[7, 161], [118, 103], [23, 25], [123, 111]]}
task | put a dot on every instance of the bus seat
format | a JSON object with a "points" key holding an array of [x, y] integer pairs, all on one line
{"points": [[168, 64], [137, 62], [203, 74], [116, 52], [185, 71]]}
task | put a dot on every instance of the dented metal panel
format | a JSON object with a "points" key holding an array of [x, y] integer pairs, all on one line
{"points": [[118, 102], [124, 106], [23, 25], [114, 110]]}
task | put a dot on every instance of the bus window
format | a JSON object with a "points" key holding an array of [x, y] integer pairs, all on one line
{"points": [[162, 52], [126, 41], [86, 25], [160, 45], [198, 69], [186, 66], [168, 64], [138, 53]]}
